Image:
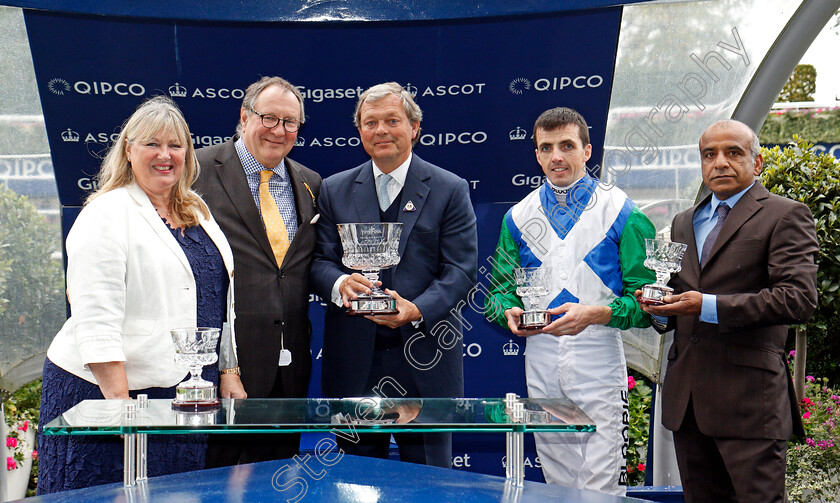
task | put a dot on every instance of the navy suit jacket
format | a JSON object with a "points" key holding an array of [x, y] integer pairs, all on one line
{"points": [[437, 270]]}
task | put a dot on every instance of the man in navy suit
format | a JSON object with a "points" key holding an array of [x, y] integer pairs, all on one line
{"points": [[415, 353]]}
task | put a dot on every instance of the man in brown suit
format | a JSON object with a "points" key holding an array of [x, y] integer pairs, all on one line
{"points": [[746, 275]]}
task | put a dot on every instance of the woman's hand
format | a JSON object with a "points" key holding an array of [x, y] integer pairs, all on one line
{"points": [[111, 378], [230, 386]]}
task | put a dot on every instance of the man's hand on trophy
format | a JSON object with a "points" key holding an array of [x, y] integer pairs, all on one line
{"points": [[576, 317], [354, 285], [684, 304], [408, 312], [513, 317]]}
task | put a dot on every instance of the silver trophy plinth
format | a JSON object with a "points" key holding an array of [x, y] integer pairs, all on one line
{"points": [[664, 258], [369, 248], [532, 282], [195, 348]]}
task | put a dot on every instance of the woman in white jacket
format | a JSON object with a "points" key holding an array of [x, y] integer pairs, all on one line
{"points": [[144, 256]]}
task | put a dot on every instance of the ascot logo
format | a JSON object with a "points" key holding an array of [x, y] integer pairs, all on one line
{"points": [[300, 142], [178, 91], [519, 85], [70, 136], [518, 134], [412, 90], [58, 86]]}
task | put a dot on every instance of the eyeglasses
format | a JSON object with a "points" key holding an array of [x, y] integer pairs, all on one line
{"points": [[271, 121]]}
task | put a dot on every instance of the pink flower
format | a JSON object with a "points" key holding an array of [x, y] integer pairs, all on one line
{"points": [[810, 441], [11, 464], [24, 426], [807, 401], [11, 442], [35, 455], [806, 415], [631, 382], [810, 378], [641, 467], [792, 353]]}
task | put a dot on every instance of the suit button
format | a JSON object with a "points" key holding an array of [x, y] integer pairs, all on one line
{"points": [[282, 275], [277, 323], [695, 339]]}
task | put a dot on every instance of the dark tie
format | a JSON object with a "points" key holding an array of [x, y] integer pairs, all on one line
{"points": [[722, 211]]}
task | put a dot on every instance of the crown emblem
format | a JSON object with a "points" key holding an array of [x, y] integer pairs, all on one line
{"points": [[300, 142], [518, 134], [412, 90], [70, 135], [177, 91], [510, 349]]}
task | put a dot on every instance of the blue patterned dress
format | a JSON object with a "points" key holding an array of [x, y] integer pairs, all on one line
{"points": [[72, 462]]}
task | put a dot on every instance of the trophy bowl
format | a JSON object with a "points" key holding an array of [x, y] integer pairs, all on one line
{"points": [[195, 348], [369, 248], [532, 283], [664, 258]]}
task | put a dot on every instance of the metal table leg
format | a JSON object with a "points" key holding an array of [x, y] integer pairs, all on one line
{"points": [[515, 442], [129, 448], [142, 441]]}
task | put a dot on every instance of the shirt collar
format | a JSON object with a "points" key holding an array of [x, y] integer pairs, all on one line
{"points": [[398, 174], [252, 166], [730, 201]]}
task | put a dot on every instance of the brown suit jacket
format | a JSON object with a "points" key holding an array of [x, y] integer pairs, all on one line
{"points": [[762, 269], [271, 302]]}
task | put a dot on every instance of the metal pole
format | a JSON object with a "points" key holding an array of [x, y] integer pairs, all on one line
{"points": [[129, 448], [142, 441], [510, 399], [518, 453], [799, 363]]}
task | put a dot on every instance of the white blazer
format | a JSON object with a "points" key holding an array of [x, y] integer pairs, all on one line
{"points": [[129, 283]]}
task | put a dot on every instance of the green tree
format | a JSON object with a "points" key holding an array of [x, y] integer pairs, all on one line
{"points": [[801, 85], [34, 281], [813, 178]]}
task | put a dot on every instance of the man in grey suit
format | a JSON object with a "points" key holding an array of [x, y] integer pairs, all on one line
{"points": [[417, 352], [749, 271], [266, 205]]}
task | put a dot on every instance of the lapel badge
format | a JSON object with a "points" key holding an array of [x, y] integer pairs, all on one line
{"points": [[409, 206]]}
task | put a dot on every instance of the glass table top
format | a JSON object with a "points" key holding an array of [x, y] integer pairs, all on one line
{"points": [[368, 414]]}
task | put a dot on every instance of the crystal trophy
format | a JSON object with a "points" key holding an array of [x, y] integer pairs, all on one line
{"points": [[532, 282], [195, 348], [663, 257], [369, 248]]}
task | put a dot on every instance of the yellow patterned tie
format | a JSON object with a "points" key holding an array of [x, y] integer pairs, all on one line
{"points": [[275, 228]]}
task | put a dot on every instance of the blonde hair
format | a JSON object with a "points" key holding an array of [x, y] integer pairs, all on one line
{"points": [[153, 115]]}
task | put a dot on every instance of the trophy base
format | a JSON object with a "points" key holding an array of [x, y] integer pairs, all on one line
{"points": [[373, 305], [189, 398], [653, 294], [533, 320], [192, 417]]}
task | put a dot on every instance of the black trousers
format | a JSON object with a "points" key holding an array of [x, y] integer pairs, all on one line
{"points": [[233, 448], [433, 449]]}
